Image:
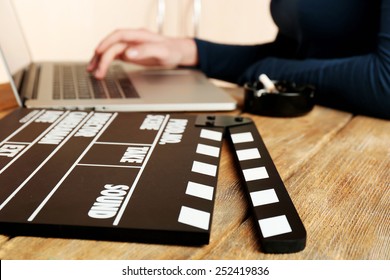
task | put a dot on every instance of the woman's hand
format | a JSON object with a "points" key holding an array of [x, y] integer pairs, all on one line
{"points": [[142, 47]]}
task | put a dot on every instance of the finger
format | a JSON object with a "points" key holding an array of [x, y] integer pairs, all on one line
{"points": [[107, 57], [93, 63], [130, 36]]}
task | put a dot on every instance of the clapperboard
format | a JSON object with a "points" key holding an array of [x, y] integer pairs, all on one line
{"points": [[143, 177]]}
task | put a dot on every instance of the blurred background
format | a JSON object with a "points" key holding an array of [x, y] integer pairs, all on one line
{"points": [[71, 29]]}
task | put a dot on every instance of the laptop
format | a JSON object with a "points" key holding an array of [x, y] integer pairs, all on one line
{"points": [[67, 85]]}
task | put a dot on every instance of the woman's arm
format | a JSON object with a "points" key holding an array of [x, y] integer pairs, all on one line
{"points": [[359, 83]]}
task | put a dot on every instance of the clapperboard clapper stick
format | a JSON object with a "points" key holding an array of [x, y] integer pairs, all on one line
{"points": [[280, 227]]}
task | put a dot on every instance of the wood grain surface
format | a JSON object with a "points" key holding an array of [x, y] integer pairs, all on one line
{"points": [[335, 167]]}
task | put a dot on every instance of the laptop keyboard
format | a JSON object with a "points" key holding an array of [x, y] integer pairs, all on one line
{"points": [[74, 82]]}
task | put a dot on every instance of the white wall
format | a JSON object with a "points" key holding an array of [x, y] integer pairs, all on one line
{"points": [[70, 30]]}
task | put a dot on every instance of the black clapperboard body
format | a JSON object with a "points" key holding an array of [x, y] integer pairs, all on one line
{"points": [[143, 177]]}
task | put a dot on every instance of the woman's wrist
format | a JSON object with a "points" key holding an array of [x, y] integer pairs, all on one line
{"points": [[188, 51]]}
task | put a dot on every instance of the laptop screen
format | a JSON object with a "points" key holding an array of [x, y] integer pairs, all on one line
{"points": [[12, 41]]}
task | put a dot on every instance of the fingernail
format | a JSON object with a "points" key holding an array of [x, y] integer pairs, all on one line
{"points": [[132, 53], [97, 74]]}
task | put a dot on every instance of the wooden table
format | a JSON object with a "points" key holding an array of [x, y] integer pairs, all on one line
{"points": [[336, 167]]}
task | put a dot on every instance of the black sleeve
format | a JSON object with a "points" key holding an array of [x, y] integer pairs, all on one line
{"points": [[358, 83]]}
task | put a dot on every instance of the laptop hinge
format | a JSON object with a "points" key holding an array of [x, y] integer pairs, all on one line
{"points": [[29, 86]]}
